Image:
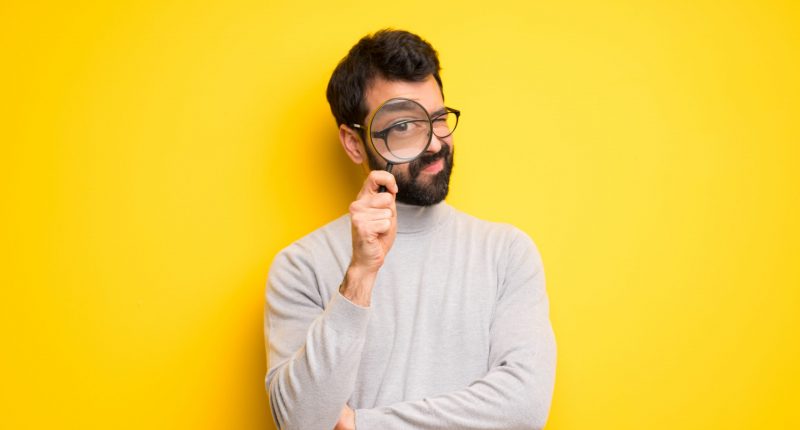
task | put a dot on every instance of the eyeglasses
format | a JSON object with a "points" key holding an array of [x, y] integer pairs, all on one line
{"points": [[401, 129]]}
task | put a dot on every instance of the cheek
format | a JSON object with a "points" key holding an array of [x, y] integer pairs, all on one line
{"points": [[401, 170]]}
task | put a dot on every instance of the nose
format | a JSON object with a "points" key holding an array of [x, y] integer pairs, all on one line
{"points": [[436, 144]]}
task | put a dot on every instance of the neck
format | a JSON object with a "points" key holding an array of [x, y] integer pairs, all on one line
{"points": [[415, 219]]}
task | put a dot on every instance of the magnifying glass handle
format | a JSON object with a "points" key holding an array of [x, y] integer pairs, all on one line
{"points": [[382, 189]]}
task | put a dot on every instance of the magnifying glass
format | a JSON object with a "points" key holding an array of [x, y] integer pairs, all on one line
{"points": [[400, 131]]}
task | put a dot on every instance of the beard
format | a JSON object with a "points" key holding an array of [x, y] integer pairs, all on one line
{"points": [[411, 190]]}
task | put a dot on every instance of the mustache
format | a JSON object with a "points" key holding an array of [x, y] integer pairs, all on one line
{"points": [[420, 163]]}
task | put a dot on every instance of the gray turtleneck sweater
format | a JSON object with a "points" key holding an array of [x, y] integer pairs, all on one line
{"points": [[457, 335]]}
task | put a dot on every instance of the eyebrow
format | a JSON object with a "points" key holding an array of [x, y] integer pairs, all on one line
{"points": [[441, 111], [390, 107], [394, 107]]}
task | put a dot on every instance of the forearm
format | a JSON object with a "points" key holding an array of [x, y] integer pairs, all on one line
{"points": [[308, 389], [512, 396], [357, 285]]}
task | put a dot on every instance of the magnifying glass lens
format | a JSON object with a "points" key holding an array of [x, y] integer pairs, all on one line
{"points": [[400, 130]]}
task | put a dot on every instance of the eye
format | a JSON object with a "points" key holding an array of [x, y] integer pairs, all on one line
{"points": [[400, 127]]}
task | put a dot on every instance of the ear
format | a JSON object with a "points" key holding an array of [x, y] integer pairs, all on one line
{"points": [[351, 142]]}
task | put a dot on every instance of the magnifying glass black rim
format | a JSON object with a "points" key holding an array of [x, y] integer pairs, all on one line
{"points": [[404, 159]]}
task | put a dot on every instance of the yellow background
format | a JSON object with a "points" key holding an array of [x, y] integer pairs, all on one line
{"points": [[157, 154]]}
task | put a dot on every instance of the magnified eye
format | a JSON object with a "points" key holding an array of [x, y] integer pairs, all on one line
{"points": [[400, 127], [409, 128]]}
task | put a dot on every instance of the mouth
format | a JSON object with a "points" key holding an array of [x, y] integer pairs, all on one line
{"points": [[434, 167], [431, 164]]}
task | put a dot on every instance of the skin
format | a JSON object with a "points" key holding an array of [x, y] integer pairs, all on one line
{"points": [[373, 214]]}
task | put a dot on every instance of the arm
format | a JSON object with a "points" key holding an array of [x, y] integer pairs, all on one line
{"points": [[315, 347], [517, 390]]}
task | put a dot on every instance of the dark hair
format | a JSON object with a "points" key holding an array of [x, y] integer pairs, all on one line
{"points": [[395, 55]]}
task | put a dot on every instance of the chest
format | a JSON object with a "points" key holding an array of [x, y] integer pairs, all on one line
{"points": [[433, 304]]}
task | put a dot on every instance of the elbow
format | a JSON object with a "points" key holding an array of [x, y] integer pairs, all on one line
{"points": [[539, 384], [530, 417], [536, 408], [533, 400], [537, 420], [278, 405], [288, 413], [283, 421]]}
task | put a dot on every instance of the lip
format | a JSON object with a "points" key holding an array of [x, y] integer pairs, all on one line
{"points": [[434, 167]]}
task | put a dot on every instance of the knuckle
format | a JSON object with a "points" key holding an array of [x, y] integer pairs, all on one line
{"points": [[386, 199], [362, 230], [375, 201]]}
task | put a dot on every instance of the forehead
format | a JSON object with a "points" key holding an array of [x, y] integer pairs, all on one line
{"points": [[426, 93]]}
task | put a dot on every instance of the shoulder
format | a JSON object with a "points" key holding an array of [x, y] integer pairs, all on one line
{"points": [[519, 264], [498, 232], [308, 267], [332, 237], [507, 244], [331, 232]]}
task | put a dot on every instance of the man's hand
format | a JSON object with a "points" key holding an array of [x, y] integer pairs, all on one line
{"points": [[347, 420], [373, 222]]}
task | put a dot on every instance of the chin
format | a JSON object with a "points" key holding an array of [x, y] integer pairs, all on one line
{"points": [[425, 192]]}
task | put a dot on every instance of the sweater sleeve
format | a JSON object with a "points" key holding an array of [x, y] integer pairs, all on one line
{"points": [[517, 390], [314, 347]]}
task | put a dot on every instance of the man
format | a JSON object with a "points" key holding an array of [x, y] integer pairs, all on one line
{"points": [[406, 313]]}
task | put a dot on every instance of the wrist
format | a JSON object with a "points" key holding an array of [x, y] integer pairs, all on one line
{"points": [[347, 419], [357, 285]]}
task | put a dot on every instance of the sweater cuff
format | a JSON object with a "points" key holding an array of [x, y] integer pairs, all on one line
{"points": [[346, 317]]}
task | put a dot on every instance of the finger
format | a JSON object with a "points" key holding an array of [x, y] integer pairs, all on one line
{"points": [[366, 216], [373, 214], [370, 230], [375, 179], [380, 200], [381, 226], [373, 201]]}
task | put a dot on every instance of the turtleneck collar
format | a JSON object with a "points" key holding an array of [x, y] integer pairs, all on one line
{"points": [[416, 219]]}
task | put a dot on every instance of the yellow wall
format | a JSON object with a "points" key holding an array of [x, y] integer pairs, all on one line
{"points": [[155, 156]]}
